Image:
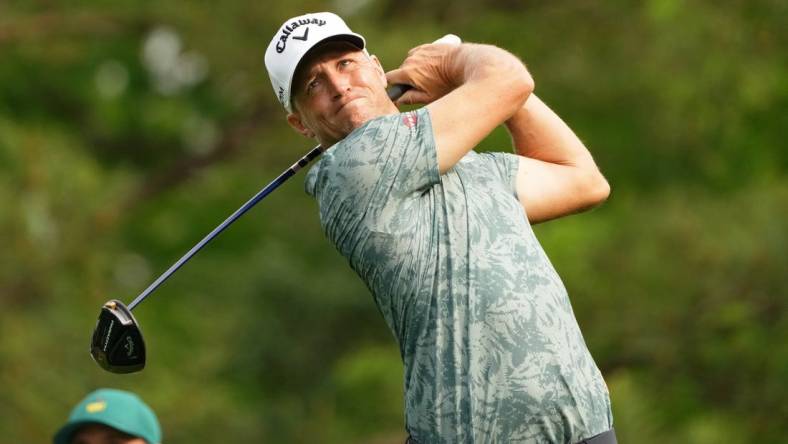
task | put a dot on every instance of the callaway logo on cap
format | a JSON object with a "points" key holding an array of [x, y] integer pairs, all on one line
{"points": [[291, 42]]}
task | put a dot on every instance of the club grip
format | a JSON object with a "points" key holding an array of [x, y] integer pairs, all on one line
{"points": [[396, 91]]}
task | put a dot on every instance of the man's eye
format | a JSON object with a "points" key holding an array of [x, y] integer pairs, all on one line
{"points": [[345, 62], [312, 85]]}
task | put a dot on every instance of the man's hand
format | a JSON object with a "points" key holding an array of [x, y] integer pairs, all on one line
{"points": [[429, 72], [469, 88]]}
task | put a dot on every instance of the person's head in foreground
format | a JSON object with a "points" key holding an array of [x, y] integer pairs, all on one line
{"points": [[325, 78], [110, 416]]}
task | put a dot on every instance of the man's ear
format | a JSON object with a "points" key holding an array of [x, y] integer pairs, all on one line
{"points": [[294, 120], [379, 67]]}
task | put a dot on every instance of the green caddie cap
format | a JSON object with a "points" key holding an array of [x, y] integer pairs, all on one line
{"points": [[121, 410]]}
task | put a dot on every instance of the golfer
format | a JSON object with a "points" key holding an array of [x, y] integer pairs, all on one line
{"points": [[442, 235]]}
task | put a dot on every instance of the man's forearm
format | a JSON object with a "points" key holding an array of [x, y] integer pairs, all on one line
{"points": [[493, 81], [537, 132]]}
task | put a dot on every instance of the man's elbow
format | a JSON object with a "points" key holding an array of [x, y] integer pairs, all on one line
{"points": [[597, 189], [522, 87]]}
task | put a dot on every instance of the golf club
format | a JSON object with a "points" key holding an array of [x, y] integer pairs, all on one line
{"points": [[117, 345]]}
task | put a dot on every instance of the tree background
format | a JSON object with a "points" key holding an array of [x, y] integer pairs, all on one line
{"points": [[129, 129]]}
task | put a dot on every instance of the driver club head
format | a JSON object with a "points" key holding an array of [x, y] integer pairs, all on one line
{"points": [[117, 344]]}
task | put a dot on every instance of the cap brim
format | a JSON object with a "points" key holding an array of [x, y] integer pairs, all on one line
{"points": [[64, 435], [355, 39], [66, 432]]}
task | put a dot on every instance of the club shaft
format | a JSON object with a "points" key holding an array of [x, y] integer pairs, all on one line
{"points": [[394, 93], [302, 162]]}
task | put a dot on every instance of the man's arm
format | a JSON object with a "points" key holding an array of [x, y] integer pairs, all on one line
{"points": [[557, 175], [470, 89]]}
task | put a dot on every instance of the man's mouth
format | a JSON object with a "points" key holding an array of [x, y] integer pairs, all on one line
{"points": [[348, 102]]}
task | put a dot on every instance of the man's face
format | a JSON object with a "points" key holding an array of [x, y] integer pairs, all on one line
{"points": [[101, 434], [337, 89]]}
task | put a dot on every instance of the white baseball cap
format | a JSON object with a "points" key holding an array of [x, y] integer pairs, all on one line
{"points": [[294, 39]]}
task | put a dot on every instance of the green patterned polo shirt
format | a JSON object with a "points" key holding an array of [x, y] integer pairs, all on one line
{"points": [[490, 345]]}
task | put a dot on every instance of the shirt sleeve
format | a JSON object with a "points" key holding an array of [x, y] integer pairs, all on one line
{"points": [[504, 167]]}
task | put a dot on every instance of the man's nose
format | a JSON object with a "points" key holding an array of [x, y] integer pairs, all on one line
{"points": [[338, 84]]}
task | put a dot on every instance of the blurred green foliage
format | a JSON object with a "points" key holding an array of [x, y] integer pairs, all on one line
{"points": [[129, 129]]}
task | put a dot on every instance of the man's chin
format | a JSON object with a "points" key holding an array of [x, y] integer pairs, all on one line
{"points": [[352, 108], [362, 111], [355, 114], [357, 117]]}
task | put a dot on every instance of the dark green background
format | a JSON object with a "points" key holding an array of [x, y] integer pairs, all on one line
{"points": [[115, 159]]}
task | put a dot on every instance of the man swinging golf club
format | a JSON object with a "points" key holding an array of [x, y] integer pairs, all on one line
{"points": [[442, 235]]}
